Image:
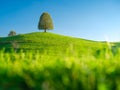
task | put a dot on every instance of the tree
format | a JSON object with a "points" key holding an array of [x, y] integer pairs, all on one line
{"points": [[12, 33], [45, 22]]}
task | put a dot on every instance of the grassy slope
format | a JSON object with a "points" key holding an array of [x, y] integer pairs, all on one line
{"points": [[35, 71], [50, 41]]}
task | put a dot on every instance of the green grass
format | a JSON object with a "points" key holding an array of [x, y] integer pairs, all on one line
{"points": [[44, 41], [36, 71], [57, 62]]}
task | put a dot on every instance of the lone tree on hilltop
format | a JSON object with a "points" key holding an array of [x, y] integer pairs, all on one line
{"points": [[12, 33], [45, 22]]}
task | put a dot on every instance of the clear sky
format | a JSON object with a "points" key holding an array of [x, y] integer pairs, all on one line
{"points": [[88, 19]]}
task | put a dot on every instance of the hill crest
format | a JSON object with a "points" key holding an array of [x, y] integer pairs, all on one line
{"points": [[41, 40]]}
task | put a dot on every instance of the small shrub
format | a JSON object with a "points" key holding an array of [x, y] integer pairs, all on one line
{"points": [[12, 33]]}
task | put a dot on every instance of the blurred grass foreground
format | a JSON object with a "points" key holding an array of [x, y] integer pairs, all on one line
{"points": [[62, 71], [55, 62]]}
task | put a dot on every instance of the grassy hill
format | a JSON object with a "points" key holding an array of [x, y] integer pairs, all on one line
{"points": [[50, 42], [56, 62]]}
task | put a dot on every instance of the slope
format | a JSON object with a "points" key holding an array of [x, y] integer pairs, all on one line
{"points": [[50, 41]]}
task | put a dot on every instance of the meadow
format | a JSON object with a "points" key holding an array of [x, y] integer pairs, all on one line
{"points": [[56, 62]]}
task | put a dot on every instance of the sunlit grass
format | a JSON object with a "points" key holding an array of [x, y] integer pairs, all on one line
{"points": [[63, 71], [46, 61]]}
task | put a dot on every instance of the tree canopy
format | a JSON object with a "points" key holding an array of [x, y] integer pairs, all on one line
{"points": [[12, 33], [45, 22]]}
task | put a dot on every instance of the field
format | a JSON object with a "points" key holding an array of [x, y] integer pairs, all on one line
{"points": [[46, 61]]}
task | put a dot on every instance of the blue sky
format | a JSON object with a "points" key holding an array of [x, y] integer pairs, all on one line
{"points": [[89, 19]]}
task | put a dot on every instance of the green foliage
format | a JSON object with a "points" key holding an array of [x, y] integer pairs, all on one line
{"points": [[45, 22], [43, 41], [55, 62], [12, 33], [67, 70]]}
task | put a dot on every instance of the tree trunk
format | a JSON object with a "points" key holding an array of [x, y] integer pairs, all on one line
{"points": [[45, 30]]}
